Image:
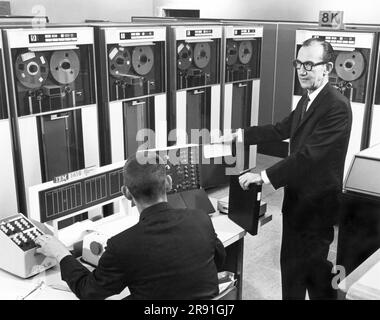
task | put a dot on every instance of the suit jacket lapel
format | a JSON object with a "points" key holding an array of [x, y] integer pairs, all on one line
{"points": [[311, 108], [297, 115]]}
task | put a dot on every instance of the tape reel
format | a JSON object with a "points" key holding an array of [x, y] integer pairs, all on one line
{"points": [[32, 69], [231, 52], [349, 66], [142, 59], [202, 54], [64, 66], [245, 51], [119, 61], [184, 56]]}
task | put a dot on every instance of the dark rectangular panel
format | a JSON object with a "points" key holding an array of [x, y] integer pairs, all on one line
{"points": [[244, 205], [56, 146], [267, 78], [241, 102], [138, 114], [197, 199], [182, 13], [198, 112], [175, 200], [115, 182], [62, 200], [194, 104]]}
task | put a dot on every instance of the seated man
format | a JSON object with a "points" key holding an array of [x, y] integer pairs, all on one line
{"points": [[169, 254]]}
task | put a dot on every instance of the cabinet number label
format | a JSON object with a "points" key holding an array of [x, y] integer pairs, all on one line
{"points": [[331, 19]]}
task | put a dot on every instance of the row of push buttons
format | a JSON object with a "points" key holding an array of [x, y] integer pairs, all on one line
{"points": [[15, 226], [25, 240]]}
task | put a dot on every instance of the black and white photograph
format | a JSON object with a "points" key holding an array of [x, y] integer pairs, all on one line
{"points": [[192, 155]]}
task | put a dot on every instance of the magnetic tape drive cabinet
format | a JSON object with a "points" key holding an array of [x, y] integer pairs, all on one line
{"points": [[8, 196], [351, 75], [242, 59], [194, 79], [194, 101], [52, 94], [132, 89]]}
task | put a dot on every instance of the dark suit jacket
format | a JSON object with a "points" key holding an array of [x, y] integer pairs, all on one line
{"points": [[169, 254], [312, 174]]}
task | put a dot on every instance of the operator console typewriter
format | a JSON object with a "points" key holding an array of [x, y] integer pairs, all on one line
{"points": [[18, 256]]}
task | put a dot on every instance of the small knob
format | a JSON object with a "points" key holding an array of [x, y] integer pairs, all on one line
{"points": [[96, 248]]}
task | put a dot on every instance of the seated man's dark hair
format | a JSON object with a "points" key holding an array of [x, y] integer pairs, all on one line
{"points": [[144, 176]]}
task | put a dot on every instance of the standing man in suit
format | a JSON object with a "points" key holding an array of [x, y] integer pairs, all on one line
{"points": [[169, 254], [312, 175]]}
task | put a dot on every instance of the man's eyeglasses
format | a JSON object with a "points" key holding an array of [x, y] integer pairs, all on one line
{"points": [[307, 65]]}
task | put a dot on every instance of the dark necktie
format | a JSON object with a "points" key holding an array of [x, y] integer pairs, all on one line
{"points": [[304, 105]]}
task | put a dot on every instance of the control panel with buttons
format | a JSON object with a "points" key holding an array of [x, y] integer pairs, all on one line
{"points": [[182, 166], [21, 231], [17, 240]]}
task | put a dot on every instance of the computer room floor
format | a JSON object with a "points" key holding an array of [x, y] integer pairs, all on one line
{"points": [[261, 263]]}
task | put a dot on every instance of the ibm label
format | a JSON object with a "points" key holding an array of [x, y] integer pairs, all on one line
{"points": [[199, 33], [52, 37], [136, 35], [245, 32], [337, 39]]}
